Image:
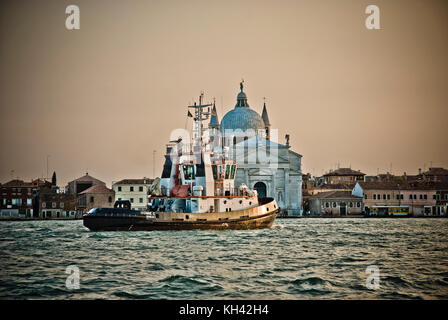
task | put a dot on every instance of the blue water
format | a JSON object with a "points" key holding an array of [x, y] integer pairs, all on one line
{"points": [[295, 259]]}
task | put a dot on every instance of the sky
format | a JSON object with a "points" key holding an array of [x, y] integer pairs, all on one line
{"points": [[102, 98]]}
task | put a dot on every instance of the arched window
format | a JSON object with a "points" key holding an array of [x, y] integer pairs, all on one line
{"points": [[327, 205]]}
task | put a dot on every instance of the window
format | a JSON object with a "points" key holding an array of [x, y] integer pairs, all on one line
{"points": [[334, 204], [189, 172], [44, 204], [374, 197], [140, 200], [232, 175], [227, 172], [4, 202], [388, 197], [132, 200], [131, 189], [53, 205], [358, 204], [434, 197], [140, 189], [421, 197], [91, 199], [29, 202], [110, 199], [61, 204], [446, 196], [384, 197], [365, 196], [351, 204], [327, 205], [415, 197], [425, 196], [215, 171], [398, 197], [410, 197], [119, 189]]}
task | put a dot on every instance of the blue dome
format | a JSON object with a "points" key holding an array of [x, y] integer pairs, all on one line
{"points": [[243, 119]]}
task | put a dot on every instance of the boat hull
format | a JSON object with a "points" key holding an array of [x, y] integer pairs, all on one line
{"points": [[223, 222]]}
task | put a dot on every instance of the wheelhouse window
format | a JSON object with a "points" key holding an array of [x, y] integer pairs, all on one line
{"points": [[227, 171], [189, 172], [232, 176], [215, 171]]}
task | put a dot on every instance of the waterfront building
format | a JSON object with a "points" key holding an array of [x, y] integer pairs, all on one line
{"points": [[419, 197], [133, 190], [343, 175], [18, 199], [331, 187], [83, 183], [249, 138], [97, 196], [336, 204], [54, 205]]}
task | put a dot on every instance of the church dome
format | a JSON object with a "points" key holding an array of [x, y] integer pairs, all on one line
{"points": [[242, 117]]}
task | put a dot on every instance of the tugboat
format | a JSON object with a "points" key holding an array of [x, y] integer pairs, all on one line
{"points": [[196, 191]]}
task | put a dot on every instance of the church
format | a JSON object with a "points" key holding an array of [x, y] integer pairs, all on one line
{"points": [[263, 164]]}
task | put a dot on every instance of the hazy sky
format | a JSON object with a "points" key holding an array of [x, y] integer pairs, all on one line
{"points": [[102, 98]]}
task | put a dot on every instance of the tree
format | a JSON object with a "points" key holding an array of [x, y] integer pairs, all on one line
{"points": [[53, 179]]}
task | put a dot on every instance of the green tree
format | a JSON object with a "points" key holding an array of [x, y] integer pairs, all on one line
{"points": [[53, 179]]}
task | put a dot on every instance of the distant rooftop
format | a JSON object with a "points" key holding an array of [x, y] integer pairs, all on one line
{"points": [[335, 194], [135, 181], [436, 172], [99, 188], [344, 172]]}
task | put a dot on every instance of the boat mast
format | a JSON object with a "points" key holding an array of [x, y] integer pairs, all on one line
{"points": [[199, 116]]}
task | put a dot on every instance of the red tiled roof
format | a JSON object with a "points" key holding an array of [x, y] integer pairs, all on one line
{"points": [[336, 186], [335, 194], [16, 183], [99, 188], [135, 181], [413, 185]]}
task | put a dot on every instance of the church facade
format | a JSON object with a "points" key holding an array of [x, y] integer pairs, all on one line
{"points": [[263, 164]]}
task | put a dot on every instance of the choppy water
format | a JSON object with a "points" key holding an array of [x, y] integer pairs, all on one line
{"points": [[296, 259]]}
